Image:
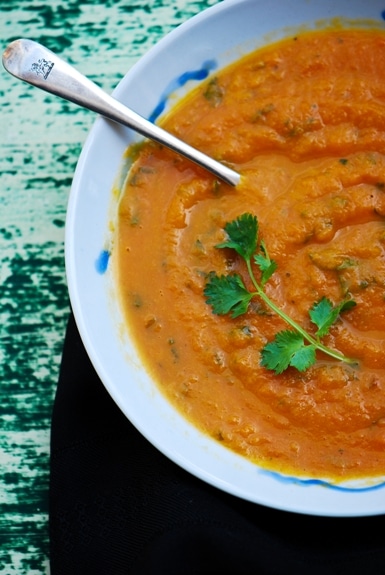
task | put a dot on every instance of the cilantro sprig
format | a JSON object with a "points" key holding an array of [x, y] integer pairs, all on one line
{"points": [[227, 294]]}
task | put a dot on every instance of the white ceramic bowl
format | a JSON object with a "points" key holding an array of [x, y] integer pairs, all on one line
{"points": [[220, 34]]}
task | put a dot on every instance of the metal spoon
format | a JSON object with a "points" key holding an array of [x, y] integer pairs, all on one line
{"points": [[35, 64]]}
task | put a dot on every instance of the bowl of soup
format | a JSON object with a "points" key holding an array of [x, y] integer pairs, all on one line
{"points": [[241, 328]]}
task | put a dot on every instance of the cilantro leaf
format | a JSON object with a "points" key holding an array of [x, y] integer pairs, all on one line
{"points": [[304, 358], [323, 314], [227, 294], [265, 264], [242, 235], [287, 349]]}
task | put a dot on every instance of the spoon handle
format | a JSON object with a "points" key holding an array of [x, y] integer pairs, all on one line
{"points": [[35, 64]]}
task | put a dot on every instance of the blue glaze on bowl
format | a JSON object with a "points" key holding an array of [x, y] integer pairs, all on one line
{"points": [[321, 483], [198, 75], [101, 264]]}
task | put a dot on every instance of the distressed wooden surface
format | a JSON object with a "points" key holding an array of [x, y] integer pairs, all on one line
{"points": [[41, 138]]}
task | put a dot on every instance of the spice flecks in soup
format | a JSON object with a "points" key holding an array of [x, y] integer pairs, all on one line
{"points": [[303, 121]]}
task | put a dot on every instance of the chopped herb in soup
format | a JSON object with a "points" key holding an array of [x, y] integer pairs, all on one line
{"points": [[303, 122]]}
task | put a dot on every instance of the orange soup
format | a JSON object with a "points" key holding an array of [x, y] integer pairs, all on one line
{"points": [[303, 122]]}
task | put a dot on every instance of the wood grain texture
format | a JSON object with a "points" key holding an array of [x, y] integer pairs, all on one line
{"points": [[41, 138]]}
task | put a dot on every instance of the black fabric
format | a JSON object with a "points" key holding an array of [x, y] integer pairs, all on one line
{"points": [[118, 506]]}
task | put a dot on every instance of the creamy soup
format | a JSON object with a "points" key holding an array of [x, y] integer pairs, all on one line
{"points": [[303, 122]]}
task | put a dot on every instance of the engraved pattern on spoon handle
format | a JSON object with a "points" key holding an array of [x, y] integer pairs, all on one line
{"points": [[33, 63]]}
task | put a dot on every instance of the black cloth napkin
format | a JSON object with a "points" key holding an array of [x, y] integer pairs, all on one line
{"points": [[118, 506]]}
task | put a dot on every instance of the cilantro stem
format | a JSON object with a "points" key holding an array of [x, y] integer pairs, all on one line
{"points": [[307, 336]]}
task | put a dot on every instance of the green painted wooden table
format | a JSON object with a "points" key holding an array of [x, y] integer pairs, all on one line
{"points": [[41, 138]]}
